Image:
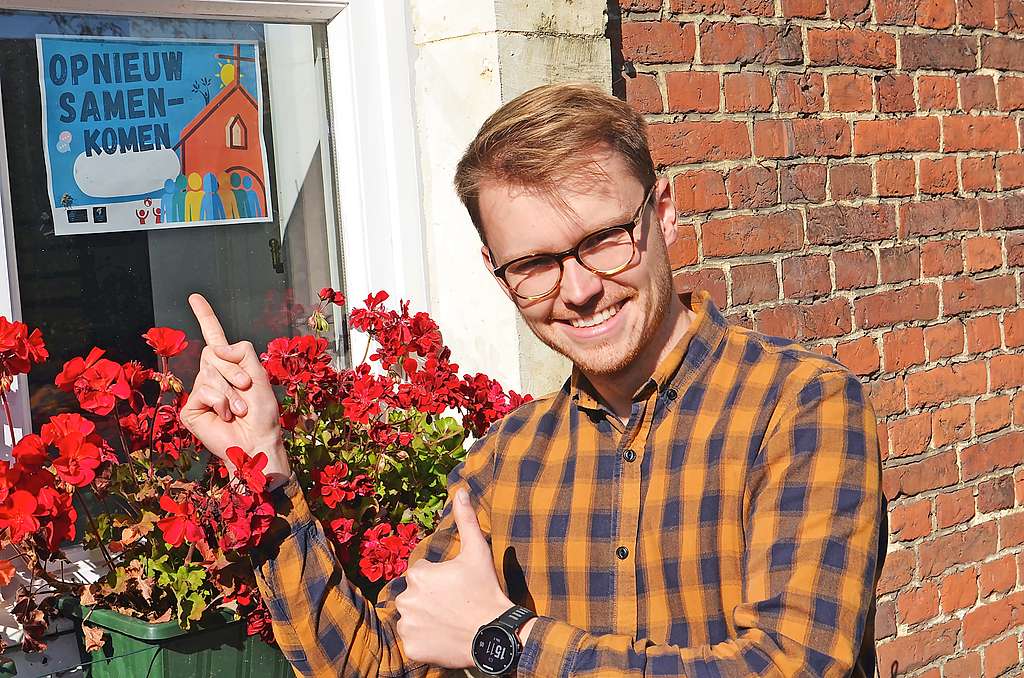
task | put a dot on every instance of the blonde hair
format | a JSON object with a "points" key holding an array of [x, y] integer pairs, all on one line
{"points": [[545, 135]]}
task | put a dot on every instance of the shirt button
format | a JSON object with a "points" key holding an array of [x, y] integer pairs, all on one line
{"points": [[672, 394], [622, 553], [629, 455]]}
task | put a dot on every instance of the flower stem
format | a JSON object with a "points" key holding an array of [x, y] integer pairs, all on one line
{"points": [[96, 531], [7, 412]]}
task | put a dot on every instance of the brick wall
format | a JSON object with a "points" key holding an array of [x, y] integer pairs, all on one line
{"points": [[849, 173]]}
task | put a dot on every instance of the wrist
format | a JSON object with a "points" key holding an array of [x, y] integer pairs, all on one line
{"points": [[524, 631]]}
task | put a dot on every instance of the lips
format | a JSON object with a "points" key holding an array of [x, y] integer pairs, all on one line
{"points": [[595, 319], [595, 324]]}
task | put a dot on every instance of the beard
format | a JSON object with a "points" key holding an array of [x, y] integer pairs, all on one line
{"points": [[613, 356]]}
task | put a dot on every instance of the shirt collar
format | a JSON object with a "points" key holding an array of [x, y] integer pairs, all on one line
{"points": [[704, 333]]}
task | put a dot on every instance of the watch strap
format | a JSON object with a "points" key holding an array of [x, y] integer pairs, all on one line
{"points": [[515, 617]]}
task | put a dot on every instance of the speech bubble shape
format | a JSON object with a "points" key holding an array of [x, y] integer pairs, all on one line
{"points": [[121, 174]]}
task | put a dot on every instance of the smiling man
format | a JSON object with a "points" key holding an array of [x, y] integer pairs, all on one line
{"points": [[697, 500]]}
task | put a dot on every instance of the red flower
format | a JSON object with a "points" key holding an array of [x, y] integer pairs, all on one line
{"points": [[16, 514], [328, 294], [167, 342], [364, 398], [341, 529], [333, 486], [181, 525], [136, 375], [19, 350], [246, 517], [248, 469], [258, 622], [385, 551], [78, 460], [95, 381], [62, 425], [30, 451]]}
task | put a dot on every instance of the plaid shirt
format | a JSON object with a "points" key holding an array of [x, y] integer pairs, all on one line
{"points": [[732, 527]]}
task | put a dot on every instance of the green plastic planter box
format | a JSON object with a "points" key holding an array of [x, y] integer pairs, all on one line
{"points": [[218, 648]]}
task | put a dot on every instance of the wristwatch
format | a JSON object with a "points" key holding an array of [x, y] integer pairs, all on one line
{"points": [[496, 646]]}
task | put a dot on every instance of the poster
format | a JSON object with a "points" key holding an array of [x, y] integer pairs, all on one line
{"points": [[144, 134]]}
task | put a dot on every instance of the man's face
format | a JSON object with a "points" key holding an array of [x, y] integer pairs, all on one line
{"points": [[601, 323]]}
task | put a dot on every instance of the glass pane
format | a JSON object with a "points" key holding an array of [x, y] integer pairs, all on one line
{"points": [[85, 288]]}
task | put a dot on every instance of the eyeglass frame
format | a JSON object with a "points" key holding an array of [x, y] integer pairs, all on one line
{"points": [[629, 227]]}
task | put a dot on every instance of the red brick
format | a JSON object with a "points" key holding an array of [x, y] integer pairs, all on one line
{"points": [[903, 348], [896, 177], [732, 7], [930, 473], [801, 137], [950, 425], [850, 181], [896, 12], [851, 47], [754, 283], [910, 437], [747, 92], [838, 224], [849, 92], [658, 42], [700, 191], [938, 175], [936, 92], [900, 263], [998, 576], [1001, 656], [915, 302], [963, 666], [860, 356], [753, 186], [900, 135], [757, 234], [855, 10], [968, 546], [710, 279], [805, 276], [983, 334], [896, 94], [970, 294], [897, 572], [1011, 93], [939, 385], [802, 183], [855, 269], [977, 13], [938, 52], [1002, 53], [1007, 371], [800, 92], [954, 508], [1006, 451], [977, 92], [945, 340], [936, 13], [932, 217], [1011, 171], [885, 619], [919, 649], [983, 254], [683, 252], [978, 174], [698, 141], [992, 620], [914, 606], [1009, 15], [821, 320], [643, 93], [995, 494], [803, 8], [959, 590], [1018, 420], [941, 257], [692, 91], [1003, 212], [888, 396], [1013, 328], [734, 43], [978, 133], [1011, 530]]}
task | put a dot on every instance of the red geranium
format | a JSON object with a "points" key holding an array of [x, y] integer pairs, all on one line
{"points": [[16, 514], [248, 469], [166, 342], [78, 460], [385, 550], [181, 524], [95, 381]]}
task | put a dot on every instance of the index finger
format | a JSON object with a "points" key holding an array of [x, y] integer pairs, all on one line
{"points": [[213, 333]]}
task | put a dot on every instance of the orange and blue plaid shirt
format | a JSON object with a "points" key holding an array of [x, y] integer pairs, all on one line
{"points": [[731, 527]]}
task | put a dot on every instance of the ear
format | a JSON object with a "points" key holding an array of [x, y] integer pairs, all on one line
{"points": [[665, 211], [489, 265]]}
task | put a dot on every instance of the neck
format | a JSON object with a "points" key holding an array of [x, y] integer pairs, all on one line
{"points": [[616, 389]]}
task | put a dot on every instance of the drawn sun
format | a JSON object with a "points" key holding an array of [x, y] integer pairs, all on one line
{"points": [[227, 74]]}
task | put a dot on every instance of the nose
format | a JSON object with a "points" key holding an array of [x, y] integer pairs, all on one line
{"points": [[579, 285]]}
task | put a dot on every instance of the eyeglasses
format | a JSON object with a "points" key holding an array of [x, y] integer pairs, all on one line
{"points": [[604, 252]]}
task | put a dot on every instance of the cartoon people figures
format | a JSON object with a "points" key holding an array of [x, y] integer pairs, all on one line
{"points": [[255, 210], [194, 197], [227, 196], [211, 207]]}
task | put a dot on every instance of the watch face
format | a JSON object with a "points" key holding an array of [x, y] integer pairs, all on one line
{"points": [[494, 650]]}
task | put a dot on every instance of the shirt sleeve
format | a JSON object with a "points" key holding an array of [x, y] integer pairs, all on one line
{"points": [[322, 623], [811, 526]]}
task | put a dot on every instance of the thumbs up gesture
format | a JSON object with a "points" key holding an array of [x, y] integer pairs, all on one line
{"points": [[444, 604]]}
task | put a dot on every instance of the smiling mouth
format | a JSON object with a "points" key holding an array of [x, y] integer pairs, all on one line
{"points": [[597, 318]]}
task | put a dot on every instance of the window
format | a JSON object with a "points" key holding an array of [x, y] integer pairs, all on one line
{"points": [[237, 134]]}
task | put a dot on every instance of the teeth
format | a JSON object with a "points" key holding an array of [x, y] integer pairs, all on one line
{"points": [[597, 318]]}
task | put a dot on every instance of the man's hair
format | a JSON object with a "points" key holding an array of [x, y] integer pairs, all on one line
{"points": [[545, 135]]}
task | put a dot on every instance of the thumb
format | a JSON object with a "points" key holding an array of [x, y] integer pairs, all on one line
{"points": [[472, 537]]}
